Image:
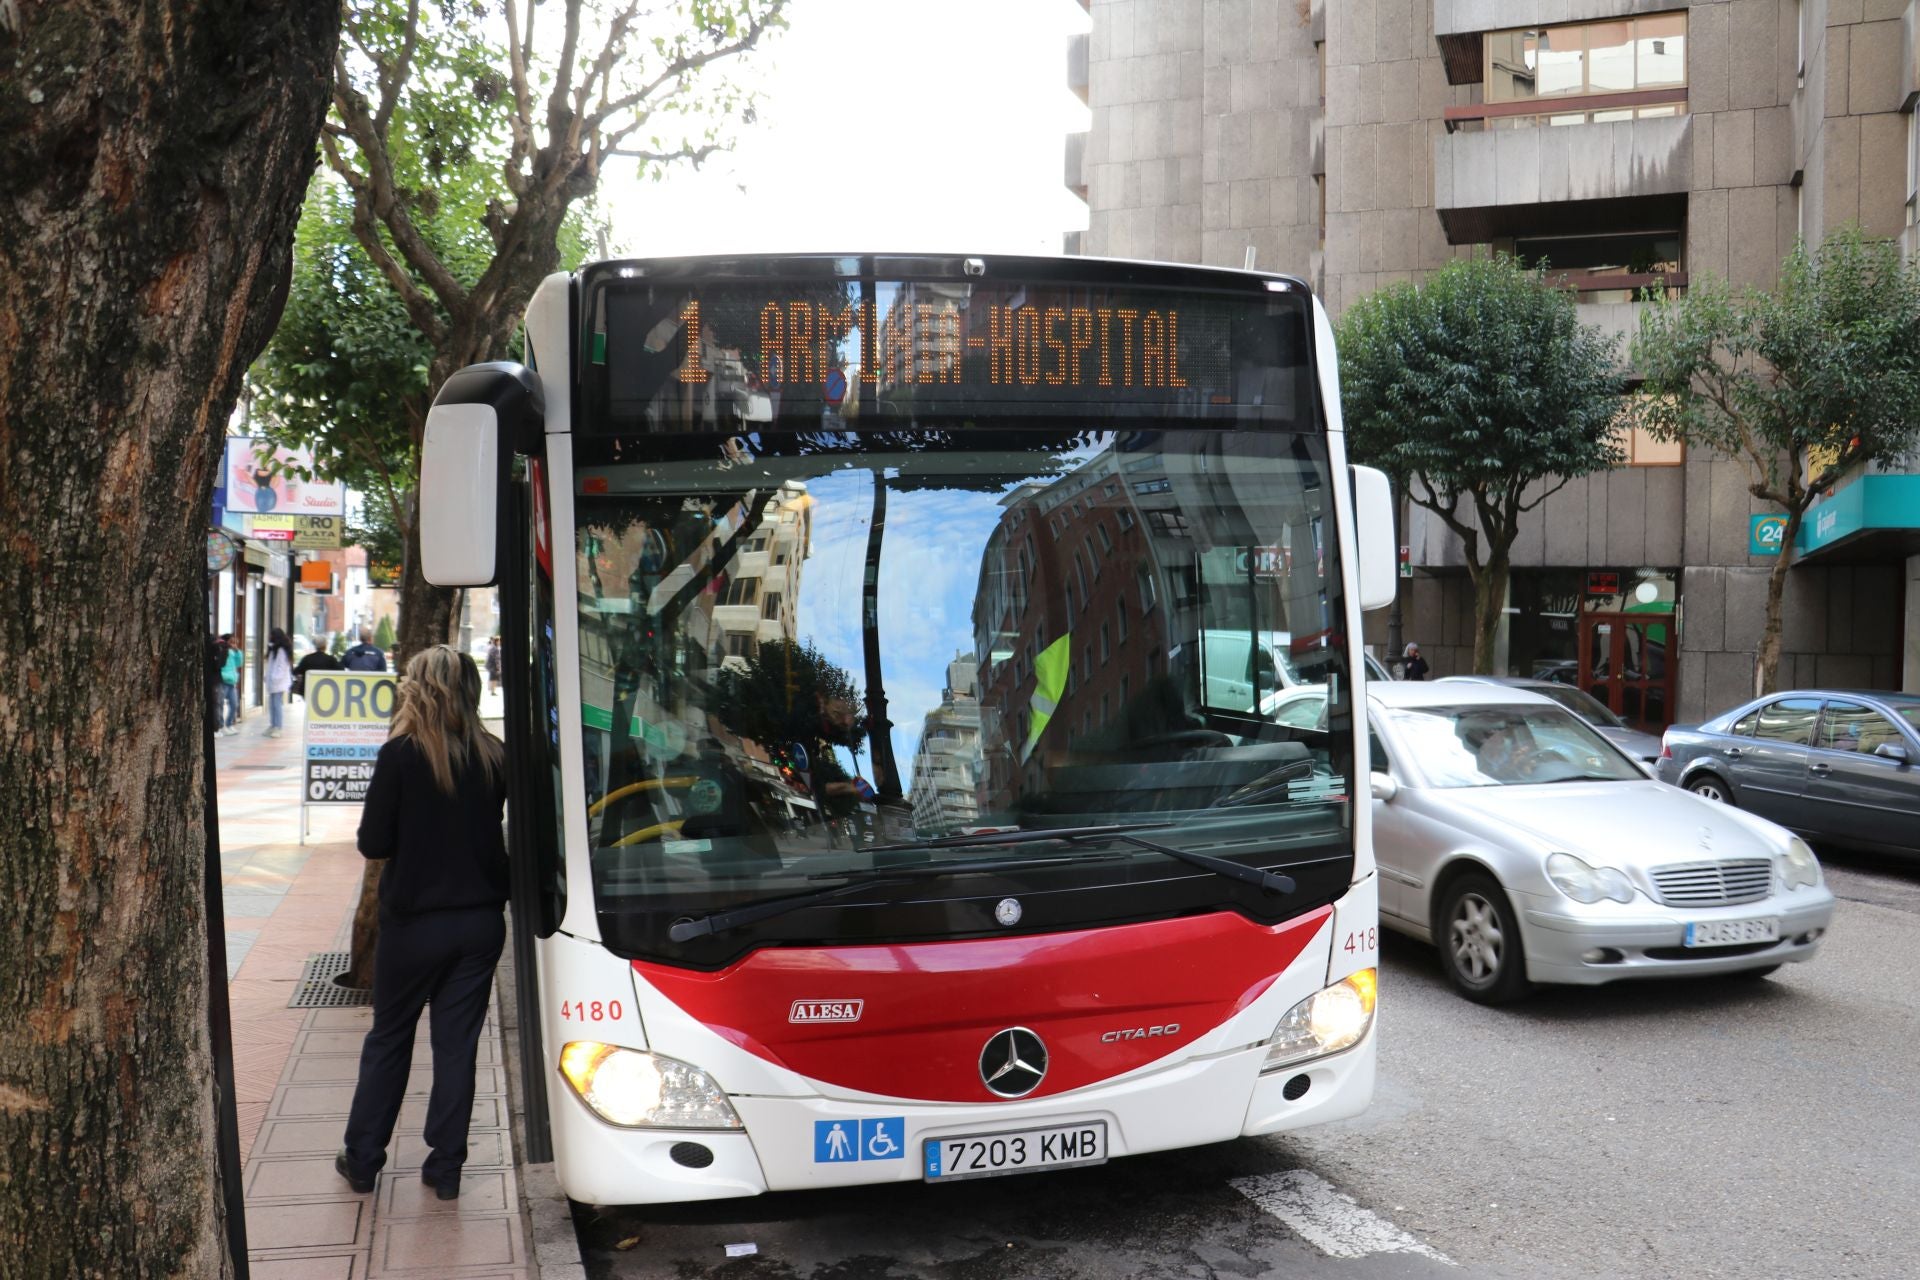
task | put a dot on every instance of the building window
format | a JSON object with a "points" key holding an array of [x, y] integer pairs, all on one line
{"points": [[741, 644], [1642, 450], [742, 591], [1120, 614], [1125, 518], [1148, 592], [1609, 268], [1106, 540], [1646, 54], [1106, 643], [1168, 524], [770, 605]]}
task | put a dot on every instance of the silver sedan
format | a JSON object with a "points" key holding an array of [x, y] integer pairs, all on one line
{"points": [[1529, 849]]}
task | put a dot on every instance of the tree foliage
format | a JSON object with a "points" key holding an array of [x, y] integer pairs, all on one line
{"points": [[789, 693], [1803, 383], [1481, 394]]}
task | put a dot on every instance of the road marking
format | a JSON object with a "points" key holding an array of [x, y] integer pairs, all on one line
{"points": [[1330, 1220]]}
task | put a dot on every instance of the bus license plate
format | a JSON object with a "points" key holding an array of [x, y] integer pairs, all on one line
{"points": [[1731, 933], [987, 1155]]}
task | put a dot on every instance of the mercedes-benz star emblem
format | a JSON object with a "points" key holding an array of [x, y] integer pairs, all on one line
{"points": [[1014, 1063], [1007, 911]]}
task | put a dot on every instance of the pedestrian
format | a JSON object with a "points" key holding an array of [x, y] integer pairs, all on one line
{"points": [[432, 812], [493, 665], [279, 679], [216, 687], [364, 656], [230, 666], [1415, 666], [318, 660]]}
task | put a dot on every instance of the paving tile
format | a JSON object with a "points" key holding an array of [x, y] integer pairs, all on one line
{"points": [[328, 1266], [299, 1137], [482, 1191], [485, 1149], [312, 1177], [342, 1020], [442, 1244], [487, 1114], [310, 1224], [316, 1100], [329, 1042]]}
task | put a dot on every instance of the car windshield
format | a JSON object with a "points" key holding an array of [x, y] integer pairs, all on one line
{"points": [[795, 651], [1496, 745], [1582, 704]]}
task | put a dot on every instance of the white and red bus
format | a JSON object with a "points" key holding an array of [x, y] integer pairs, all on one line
{"points": [[934, 693]]}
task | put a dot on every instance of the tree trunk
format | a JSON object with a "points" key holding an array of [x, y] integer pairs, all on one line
{"points": [[152, 163], [1766, 666], [886, 775], [1489, 605]]}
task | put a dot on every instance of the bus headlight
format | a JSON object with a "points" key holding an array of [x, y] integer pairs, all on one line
{"points": [[1329, 1020], [644, 1090]]}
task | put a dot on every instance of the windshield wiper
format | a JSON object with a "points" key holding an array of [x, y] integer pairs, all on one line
{"points": [[1582, 777], [767, 908], [754, 912], [1271, 881]]}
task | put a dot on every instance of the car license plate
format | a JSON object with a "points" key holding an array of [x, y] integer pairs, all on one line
{"points": [[1731, 933], [987, 1155]]}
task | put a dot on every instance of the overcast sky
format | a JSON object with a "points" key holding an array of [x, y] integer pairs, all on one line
{"points": [[885, 125]]}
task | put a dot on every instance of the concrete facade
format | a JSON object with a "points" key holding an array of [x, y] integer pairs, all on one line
{"points": [[1795, 118]]}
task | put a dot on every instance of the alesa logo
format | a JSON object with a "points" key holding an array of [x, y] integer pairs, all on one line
{"points": [[826, 1010]]}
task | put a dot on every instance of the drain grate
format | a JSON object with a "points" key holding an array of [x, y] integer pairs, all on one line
{"points": [[318, 990]]}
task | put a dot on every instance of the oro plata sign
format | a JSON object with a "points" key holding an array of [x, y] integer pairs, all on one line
{"points": [[348, 713]]}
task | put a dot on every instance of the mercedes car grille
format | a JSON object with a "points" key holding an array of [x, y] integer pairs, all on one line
{"points": [[1707, 884]]}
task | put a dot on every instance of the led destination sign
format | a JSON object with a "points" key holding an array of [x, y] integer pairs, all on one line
{"points": [[727, 357]]}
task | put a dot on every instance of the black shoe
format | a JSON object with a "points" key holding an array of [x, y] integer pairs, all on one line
{"points": [[446, 1188], [362, 1183]]}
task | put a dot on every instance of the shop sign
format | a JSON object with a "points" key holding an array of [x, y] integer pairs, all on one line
{"points": [[262, 479], [270, 528], [1766, 535], [219, 552], [1603, 584], [348, 713], [319, 533]]}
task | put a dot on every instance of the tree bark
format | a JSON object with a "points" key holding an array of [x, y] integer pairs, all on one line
{"points": [[152, 162], [1766, 666]]}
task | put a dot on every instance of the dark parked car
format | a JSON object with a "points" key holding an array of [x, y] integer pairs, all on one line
{"points": [[1837, 765], [1641, 746]]}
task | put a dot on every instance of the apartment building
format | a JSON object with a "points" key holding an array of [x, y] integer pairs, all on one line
{"points": [[1628, 142]]}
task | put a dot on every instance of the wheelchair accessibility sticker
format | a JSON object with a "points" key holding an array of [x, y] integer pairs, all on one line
{"points": [[845, 1141]]}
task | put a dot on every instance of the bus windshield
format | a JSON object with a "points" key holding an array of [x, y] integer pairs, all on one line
{"points": [[798, 654]]}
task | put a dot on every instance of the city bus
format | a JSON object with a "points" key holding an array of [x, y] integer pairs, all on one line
{"points": [[874, 815]]}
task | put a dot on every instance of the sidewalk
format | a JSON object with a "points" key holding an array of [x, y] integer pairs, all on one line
{"points": [[294, 1068]]}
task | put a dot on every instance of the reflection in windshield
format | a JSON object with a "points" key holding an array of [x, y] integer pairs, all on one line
{"points": [[1486, 745], [801, 650]]}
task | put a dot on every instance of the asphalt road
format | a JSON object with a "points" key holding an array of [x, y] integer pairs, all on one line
{"points": [[1698, 1129]]}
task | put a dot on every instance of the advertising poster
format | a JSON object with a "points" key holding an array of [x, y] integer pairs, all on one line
{"points": [[255, 486], [347, 717]]}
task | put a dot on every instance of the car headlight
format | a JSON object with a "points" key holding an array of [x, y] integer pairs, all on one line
{"points": [[1798, 866], [1584, 883], [644, 1090], [1331, 1019]]}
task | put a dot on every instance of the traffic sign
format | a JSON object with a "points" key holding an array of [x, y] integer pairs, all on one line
{"points": [[835, 389]]}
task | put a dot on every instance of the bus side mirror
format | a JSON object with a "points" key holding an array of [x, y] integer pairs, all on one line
{"points": [[1373, 537], [482, 414]]}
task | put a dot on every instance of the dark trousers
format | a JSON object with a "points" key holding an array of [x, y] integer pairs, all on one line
{"points": [[446, 958]]}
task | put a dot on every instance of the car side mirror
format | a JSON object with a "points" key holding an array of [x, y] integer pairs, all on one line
{"points": [[1383, 786], [1892, 751]]}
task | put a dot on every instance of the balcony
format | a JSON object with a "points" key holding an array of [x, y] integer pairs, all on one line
{"points": [[1077, 48], [1075, 168], [1569, 179]]}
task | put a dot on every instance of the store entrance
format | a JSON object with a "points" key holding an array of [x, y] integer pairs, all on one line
{"points": [[1627, 661]]}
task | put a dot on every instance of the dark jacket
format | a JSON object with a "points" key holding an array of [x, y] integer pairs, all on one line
{"points": [[444, 852], [318, 660], [364, 657], [1416, 668]]}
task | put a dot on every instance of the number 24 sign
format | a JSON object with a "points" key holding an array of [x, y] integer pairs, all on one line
{"points": [[1766, 535]]}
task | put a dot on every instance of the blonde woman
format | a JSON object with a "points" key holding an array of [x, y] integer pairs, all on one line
{"points": [[433, 814]]}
